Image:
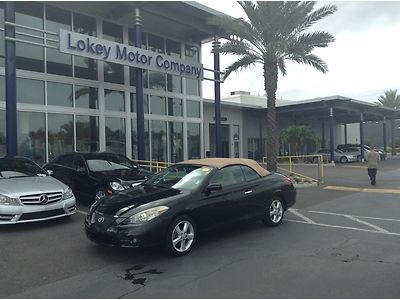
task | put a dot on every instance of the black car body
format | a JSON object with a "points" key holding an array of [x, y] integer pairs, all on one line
{"points": [[94, 175], [192, 195]]}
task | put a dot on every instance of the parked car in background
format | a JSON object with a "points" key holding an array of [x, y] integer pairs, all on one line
{"points": [[175, 204], [94, 175], [29, 194], [355, 151], [367, 148], [339, 156]]}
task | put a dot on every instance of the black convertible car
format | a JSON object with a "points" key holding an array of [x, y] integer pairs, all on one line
{"points": [[93, 175], [173, 205]]}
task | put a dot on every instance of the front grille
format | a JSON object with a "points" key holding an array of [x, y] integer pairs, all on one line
{"points": [[34, 199], [6, 217], [42, 214], [71, 208]]}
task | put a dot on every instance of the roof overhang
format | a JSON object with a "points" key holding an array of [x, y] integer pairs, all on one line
{"points": [[183, 20]]}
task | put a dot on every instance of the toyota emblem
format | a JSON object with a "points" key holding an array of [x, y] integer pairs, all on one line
{"points": [[100, 220], [43, 199]]}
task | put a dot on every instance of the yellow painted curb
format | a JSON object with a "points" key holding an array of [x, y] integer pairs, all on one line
{"points": [[365, 190]]}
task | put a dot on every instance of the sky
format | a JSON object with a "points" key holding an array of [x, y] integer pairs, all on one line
{"points": [[363, 62]]}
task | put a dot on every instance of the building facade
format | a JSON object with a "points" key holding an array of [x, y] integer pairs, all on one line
{"points": [[69, 102]]}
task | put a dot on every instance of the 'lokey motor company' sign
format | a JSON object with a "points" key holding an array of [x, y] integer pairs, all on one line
{"points": [[92, 47]]}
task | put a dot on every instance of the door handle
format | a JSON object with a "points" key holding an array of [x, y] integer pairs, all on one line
{"points": [[248, 192]]}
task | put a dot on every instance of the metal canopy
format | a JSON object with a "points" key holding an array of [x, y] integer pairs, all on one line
{"points": [[346, 110], [176, 19]]}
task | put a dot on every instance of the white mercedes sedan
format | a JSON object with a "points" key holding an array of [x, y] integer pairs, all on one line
{"points": [[29, 194]]}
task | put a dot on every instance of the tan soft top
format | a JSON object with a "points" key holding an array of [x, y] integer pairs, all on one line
{"points": [[220, 162]]}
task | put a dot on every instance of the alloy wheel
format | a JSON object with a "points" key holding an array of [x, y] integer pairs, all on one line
{"points": [[276, 211], [182, 236]]}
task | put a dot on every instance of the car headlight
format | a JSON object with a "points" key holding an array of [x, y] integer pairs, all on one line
{"points": [[68, 194], [5, 200], [145, 215], [116, 186]]}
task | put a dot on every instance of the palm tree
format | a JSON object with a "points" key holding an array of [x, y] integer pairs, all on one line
{"points": [[297, 136], [390, 99], [274, 33]]}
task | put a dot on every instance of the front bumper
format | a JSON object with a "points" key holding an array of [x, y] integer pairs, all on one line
{"points": [[130, 236], [34, 213]]}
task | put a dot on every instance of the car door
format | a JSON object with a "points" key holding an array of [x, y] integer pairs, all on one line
{"points": [[84, 186], [222, 206], [62, 168]]}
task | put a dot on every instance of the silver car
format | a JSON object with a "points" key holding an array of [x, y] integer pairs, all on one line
{"points": [[29, 194], [339, 156]]}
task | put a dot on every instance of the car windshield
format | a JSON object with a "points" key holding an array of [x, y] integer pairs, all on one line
{"points": [[19, 168], [101, 165], [181, 177]]}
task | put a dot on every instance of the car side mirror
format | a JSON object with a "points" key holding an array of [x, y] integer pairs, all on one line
{"points": [[49, 172], [213, 187]]}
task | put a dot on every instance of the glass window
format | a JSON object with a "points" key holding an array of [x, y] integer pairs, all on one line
{"points": [[66, 160], [228, 176], [145, 103], [156, 43], [61, 134], [114, 100], [87, 133], [157, 105], [249, 173], [174, 83], [113, 72], [59, 94], [173, 48], [253, 148], [30, 91], [29, 57], [2, 88], [158, 140], [57, 62], [3, 150], [2, 52], [135, 140], [193, 136], [192, 87], [85, 67], [176, 141], [175, 107], [191, 53], [115, 135], [86, 97], [157, 80], [193, 109], [31, 136]]}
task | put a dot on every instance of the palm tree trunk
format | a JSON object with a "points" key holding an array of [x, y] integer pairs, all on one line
{"points": [[392, 132], [270, 85]]}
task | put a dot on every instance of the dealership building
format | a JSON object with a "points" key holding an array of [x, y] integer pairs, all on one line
{"points": [[126, 77]]}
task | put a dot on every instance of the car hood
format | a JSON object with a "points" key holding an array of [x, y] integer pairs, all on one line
{"points": [[16, 187], [124, 201], [120, 175]]}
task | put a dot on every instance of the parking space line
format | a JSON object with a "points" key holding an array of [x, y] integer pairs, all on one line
{"points": [[344, 227], [366, 223], [295, 212], [81, 212], [359, 217]]}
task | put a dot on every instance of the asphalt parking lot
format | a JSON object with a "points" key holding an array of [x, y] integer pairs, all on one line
{"points": [[340, 240]]}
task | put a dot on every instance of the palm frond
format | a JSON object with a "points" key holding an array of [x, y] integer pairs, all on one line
{"points": [[312, 60], [241, 64]]}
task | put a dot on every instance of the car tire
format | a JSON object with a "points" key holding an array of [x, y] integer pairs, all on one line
{"points": [[343, 159], [358, 158], [181, 236], [274, 212]]}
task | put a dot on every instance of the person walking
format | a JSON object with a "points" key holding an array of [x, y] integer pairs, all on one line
{"points": [[372, 163]]}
